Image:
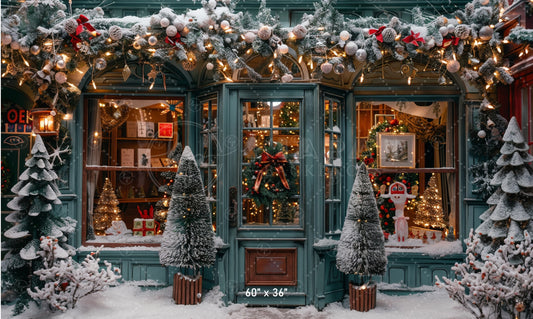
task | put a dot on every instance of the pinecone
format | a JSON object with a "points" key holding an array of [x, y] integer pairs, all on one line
{"points": [[115, 33], [462, 31], [70, 26], [389, 35], [299, 31]]}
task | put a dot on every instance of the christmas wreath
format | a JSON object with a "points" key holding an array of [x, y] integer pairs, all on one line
{"points": [[392, 126], [270, 176]]}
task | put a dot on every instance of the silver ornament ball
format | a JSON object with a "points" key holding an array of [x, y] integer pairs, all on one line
{"points": [[443, 31], [339, 69], [345, 35], [171, 31], [350, 48], [35, 49], [100, 64], [361, 55], [453, 66], [164, 23], [209, 66], [482, 134], [224, 25], [485, 33], [326, 67], [152, 40]]}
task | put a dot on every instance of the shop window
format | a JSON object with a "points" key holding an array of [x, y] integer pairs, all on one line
{"points": [[332, 164], [128, 156], [208, 162], [270, 185], [413, 143]]}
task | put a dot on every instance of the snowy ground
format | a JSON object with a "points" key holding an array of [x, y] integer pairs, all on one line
{"points": [[129, 301]]}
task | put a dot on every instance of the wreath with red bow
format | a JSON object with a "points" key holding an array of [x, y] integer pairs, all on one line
{"points": [[270, 176]]}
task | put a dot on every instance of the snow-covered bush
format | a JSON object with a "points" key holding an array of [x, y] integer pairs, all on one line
{"points": [[66, 281], [500, 286]]}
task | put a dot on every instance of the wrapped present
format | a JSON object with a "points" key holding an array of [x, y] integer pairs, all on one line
{"points": [[144, 227]]}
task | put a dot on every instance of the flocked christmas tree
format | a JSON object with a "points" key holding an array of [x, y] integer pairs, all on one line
{"points": [[166, 188], [188, 240], [361, 248], [511, 206], [429, 213], [106, 210], [36, 194]]}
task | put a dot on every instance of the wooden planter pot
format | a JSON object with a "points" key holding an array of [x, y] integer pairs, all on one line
{"points": [[187, 291], [362, 298]]}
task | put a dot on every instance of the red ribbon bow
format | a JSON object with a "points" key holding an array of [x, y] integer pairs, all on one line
{"points": [[450, 41], [414, 38], [377, 32], [83, 22], [276, 160], [174, 40]]}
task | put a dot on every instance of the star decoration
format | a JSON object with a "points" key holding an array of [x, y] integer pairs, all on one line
{"points": [[172, 107], [413, 38], [152, 75]]}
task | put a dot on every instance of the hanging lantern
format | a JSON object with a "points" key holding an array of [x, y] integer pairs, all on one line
{"points": [[44, 123]]}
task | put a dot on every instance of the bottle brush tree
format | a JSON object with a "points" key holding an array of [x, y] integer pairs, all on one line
{"points": [[188, 240], [361, 248], [32, 218]]}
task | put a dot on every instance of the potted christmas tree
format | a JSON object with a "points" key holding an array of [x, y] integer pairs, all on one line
{"points": [[361, 249], [188, 240]]}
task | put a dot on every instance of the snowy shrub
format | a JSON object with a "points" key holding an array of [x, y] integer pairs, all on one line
{"points": [[66, 281], [500, 286]]}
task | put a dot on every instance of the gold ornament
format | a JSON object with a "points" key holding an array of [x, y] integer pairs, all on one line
{"points": [[520, 306], [126, 72]]}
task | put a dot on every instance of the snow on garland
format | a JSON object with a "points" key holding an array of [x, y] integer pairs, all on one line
{"points": [[45, 47], [270, 176]]}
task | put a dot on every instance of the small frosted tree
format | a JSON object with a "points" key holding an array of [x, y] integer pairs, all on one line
{"points": [[361, 248], [32, 217], [166, 188], [188, 240]]}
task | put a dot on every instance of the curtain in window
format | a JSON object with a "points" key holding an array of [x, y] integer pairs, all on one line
{"points": [[94, 150]]}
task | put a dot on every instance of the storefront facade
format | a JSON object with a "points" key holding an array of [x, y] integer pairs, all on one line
{"points": [[124, 129]]}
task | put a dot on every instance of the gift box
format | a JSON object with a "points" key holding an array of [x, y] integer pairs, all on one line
{"points": [[144, 227]]}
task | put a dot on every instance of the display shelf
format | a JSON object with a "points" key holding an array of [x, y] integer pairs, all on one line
{"points": [[145, 139]]}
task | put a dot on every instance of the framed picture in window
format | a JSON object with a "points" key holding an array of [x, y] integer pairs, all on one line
{"points": [[396, 150], [165, 130]]}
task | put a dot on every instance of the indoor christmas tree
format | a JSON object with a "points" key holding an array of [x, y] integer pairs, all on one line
{"points": [[511, 206], [429, 213], [166, 188], [107, 209], [66, 281], [189, 239], [36, 193]]}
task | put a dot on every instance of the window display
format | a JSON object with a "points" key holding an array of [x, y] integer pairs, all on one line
{"points": [[127, 161], [332, 164]]}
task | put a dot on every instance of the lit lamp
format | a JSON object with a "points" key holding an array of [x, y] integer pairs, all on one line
{"points": [[44, 123]]}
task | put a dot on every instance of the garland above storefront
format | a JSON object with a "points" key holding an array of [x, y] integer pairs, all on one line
{"points": [[47, 46]]}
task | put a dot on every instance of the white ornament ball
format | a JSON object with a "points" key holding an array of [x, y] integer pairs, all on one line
{"points": [[179, 25], [224, 24], [389, 35], [339, 69], [164, 22], [171, 31], [60, 77], [264, 33], [443, 31], [227, 40], [209, 66], [299, 31], [482, 134], [115, 32], [485, 33], [350, 48], [212, 4], [61, 64], [155, 20], [70, 26], [361, 55], [152, 40], [484, 2], [15, 45], [345, 35], [100, 64], [6, 39], [53, 113], [451, 28], [431, 43], [283, 49], [453, 66], [35, 49], [326, 67], [249, 37], [287, 78]]}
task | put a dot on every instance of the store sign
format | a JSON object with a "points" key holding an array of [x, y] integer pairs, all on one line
{"points": [[17, 121]]}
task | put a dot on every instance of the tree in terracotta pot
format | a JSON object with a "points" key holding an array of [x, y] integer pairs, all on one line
{"points": [[188, 240], [361, 249]]}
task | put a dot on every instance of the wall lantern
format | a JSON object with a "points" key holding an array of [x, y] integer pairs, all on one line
{"points": [[44, 123]]}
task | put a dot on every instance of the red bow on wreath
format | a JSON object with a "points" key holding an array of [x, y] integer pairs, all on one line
{"points": [[451, 41], [276, 160], [83, 22], [377, 32], [174, 40], [414, 38]]}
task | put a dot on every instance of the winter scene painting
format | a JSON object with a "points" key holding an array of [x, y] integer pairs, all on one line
{"points": [[310, 159]]}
